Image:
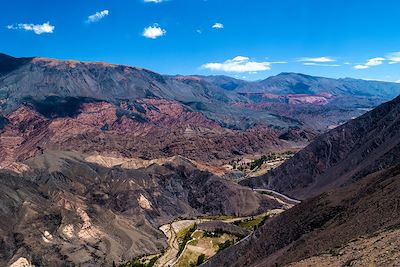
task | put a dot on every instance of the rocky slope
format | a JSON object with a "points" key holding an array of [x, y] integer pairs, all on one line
{"points": [[341, 156], [64, 211], [127, 111], [36, 78], [230, 102], [152, 128], [317, 102], [93, 156], [339, 228], [350, 178]]}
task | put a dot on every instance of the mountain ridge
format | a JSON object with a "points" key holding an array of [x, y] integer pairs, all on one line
{"points": [[348, 179], [232, 103], [340, 153], [244, 83]]}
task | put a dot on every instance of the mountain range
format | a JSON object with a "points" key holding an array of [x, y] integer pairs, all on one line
{"points": [[226, 100], [102, 103], [95, 157]]}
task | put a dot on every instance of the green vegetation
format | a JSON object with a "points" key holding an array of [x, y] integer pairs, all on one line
{"points": [[197, 234], [181, 234], [203, 245], [141, 262], [152, 261], [252, 223], [257, 163], [188, 258], [225, 245], [184, 236], [217, 217], [201, 259], [217, 233], [266, 193]]}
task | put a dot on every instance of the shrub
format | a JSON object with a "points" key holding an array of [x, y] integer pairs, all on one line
{"points": [[201, 259]]}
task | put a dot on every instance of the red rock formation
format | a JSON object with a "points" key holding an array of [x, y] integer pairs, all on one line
{"points": [[166, 128]]}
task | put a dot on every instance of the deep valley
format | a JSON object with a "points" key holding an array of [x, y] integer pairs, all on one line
{"points": [[112, 165]]}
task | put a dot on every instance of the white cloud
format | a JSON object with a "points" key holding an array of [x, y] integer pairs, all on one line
{"points": [[398, 81], [360, 67], [98, 16], [376, 61], [377, 80], [393, 57], [153, 1], [36, 28], [238, 64], [319, 64], [153, 32], [316, 59], [240, 58], [372, 62], [218, 26]]}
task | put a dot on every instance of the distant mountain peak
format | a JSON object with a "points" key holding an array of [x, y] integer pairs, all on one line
{"points": [[9, 63], [5, 56]]}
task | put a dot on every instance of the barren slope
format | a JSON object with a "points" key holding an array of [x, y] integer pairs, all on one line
{"points": [[343, 155], [325, 226], [64, 211]]}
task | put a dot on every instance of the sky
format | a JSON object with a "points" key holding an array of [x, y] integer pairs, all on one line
{"points": [[246, 39]]}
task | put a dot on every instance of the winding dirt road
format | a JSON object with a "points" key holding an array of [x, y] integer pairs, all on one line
{"points": [[169, 258], [268, 191], [170, 230]]}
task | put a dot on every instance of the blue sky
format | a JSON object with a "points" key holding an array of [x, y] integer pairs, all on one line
{"points": [[250, 39]]}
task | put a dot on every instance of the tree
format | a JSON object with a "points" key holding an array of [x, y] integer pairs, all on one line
{"points": [[201, 259]]}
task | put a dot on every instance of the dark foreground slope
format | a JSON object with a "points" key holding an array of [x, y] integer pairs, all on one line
{"points": [[344, 155], [64, 211], [356, 167], [333, 229]]}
